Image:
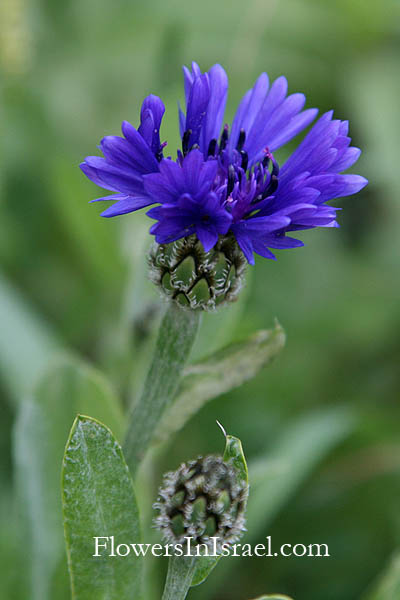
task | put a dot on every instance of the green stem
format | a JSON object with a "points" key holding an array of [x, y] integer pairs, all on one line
{"points": [[175, 339], [179, 577]]}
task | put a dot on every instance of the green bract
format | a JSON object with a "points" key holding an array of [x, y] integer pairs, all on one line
{"points": [[197, 279]]}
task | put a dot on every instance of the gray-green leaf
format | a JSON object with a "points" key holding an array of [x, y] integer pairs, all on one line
{"points": [[99, 501], [275, 476], [299, 449], [388, 586], [219, 373], [234, 452], [41, 430], [204, 566], [27, 342], [273, 597]]}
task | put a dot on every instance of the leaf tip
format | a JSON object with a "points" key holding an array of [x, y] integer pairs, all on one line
{"points": [[221, 428]]}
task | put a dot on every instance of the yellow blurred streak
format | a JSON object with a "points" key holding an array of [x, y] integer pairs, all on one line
{"points": [[15, 38]]}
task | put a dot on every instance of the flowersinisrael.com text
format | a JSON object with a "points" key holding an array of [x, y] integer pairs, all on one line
{"points": [[106, 546]]}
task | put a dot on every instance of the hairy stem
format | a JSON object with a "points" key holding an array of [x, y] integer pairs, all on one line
{"points": [[179, 577], [175, 339]]}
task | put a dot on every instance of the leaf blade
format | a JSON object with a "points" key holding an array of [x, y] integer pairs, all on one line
{"points": [[275, 477], [273, 597], [98, 501], [26, 339], [42, 426], [234, 452], [388, 585], [219, 373]]}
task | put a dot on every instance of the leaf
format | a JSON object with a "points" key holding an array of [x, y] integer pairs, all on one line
{"points": [[273, 597], [233, 451], [204, 566], [388, 585], [99, 501], [14, 582], [91, 239], [219, 373], [43, 424], [26, 343], [175, 339], [276, 476]]}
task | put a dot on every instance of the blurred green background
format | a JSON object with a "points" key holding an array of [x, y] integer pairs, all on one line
{"points": [[73, 282]]}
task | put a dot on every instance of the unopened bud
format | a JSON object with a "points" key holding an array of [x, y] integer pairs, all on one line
{"points": [[203, 499]]}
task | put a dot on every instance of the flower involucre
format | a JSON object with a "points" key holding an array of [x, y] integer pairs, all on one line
{"points": [[195, 278], [225, 180], [203, 499]]}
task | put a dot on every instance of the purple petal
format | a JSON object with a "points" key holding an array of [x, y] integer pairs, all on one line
{"points": [[121, 153], [216, 106], [197, 107], [248, 110], [262, 250], [207, 236], [151, 115], [110, 177], [140, 149], [282, 242], [337, 186], [187, 82], [126, 205], [111, 197], [347, 159], [244, 242], [293, 128]]}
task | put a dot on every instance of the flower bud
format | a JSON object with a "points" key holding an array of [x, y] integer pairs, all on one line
{"points": [[197, 279], [203, 499]]}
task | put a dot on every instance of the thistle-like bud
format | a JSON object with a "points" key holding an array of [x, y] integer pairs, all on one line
{"points": [[203, 499], [195, 278]]}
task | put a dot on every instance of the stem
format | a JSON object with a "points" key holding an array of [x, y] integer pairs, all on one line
{"points": [[179, 577], [175, 339]]}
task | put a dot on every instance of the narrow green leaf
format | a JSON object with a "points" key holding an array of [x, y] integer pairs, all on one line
{"points": [[175, 339], [217, 374], [204, 566], [275, 477], [27, 342], [91, 240], [99, 501], [388, 585], [292, 457], [233, 451], [273, 597], [42, 426]]}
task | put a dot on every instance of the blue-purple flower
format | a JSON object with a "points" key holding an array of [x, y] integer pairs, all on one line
{"points": [[225, 180]]}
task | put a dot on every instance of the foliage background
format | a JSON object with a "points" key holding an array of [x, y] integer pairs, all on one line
{"points": [[70, 72]]}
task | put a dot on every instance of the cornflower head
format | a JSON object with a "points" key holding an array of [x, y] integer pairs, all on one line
{"points": [[225, 198]]}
